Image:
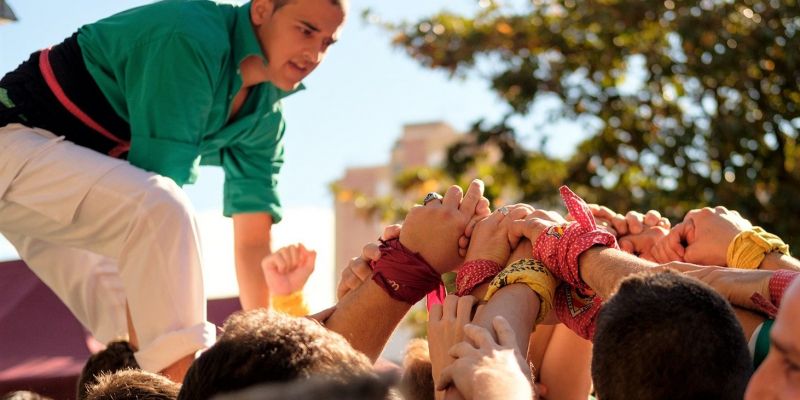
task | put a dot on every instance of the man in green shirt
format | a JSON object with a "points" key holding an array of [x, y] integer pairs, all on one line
{"points": [[167, 86]]}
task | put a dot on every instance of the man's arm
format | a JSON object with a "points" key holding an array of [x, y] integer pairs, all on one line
{"points": [[366, 317], [775, 261], [251, 238], [603, 268]]}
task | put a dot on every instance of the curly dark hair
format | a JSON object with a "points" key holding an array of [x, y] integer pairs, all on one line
{"points": [[261, 346]]}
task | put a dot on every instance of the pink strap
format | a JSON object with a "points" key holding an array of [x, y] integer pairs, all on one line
{"points": [[52, 83], [474, 273]]}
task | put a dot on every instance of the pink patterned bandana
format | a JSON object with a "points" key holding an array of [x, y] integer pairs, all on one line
{"points": [[560, 245]]}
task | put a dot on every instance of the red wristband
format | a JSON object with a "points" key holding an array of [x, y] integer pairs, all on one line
{"points": [[780, 281], [405, 275], [473, 273], [578, 312], [560, 246]]}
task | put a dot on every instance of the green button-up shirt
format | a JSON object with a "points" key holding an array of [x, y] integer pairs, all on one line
{"points": [[171, 69]]}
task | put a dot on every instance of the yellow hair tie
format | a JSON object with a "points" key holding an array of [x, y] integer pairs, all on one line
{"points": [[748, 248], [292, 304], [532, 273]]}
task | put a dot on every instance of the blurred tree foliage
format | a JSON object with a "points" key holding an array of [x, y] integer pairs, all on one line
{"points": [[695, 102]]}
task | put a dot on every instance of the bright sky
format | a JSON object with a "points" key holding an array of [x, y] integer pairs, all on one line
{"points": [[354, 109]]}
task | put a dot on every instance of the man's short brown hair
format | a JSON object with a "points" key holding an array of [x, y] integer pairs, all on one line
{"points": [[668, 336], [261, 346], [133, 384]]}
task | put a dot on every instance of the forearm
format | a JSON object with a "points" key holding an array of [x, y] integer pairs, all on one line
{"points": [[253, 290], [775, 261], [519, 305], [748, 320], [604, 268], [367, 317]]}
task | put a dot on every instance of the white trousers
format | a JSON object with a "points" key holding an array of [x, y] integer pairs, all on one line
{"points": [[102, 233]]}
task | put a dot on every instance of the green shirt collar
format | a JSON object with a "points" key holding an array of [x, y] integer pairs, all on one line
{"points": [[245, 44]]}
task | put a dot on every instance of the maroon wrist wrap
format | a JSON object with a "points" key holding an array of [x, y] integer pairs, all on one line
{"points": [[405, 275], [560, 245], [473, 273]]}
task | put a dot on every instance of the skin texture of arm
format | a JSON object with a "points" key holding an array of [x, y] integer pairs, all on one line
{"points": [[251, 238], [775, 261], [366, 317]]}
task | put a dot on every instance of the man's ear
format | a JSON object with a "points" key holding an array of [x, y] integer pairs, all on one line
{"points": [[261, 11]]}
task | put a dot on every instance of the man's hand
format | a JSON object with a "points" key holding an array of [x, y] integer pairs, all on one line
{"points": [[445, 329], [532, 225], [434, 230], [358, 269], [490, 237], [488, 369], [287, 270], [706, 234], [643, 245], [632, 223]]}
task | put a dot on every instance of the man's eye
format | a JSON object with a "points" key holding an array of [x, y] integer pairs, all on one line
{"points": [[305, 31]]}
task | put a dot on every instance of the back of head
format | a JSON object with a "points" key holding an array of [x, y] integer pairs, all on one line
{"points": [[667, 336], [132, 384], [23, 395], [260, 346], [115, 357], [417, 382], [366, 387]]}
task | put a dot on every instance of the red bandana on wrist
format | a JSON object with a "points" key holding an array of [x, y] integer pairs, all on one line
{"points": [[405, 275], [560, 245], [577, 311], [473, 273]]}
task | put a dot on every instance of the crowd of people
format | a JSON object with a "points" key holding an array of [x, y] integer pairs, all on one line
{"points": [[588, 303]]}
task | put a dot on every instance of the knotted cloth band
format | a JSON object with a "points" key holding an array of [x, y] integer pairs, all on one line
{"points": [[405, 275], [577, 311], [473, 273], [748, 249], [560, 245], [293, 304], [532, 273]]}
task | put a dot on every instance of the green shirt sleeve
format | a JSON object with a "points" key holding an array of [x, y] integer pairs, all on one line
{"points": [[251, 170], [169, 94]]}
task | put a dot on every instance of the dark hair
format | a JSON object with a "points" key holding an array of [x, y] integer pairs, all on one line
{"points": [[278, 4], [667, 336], [417, 380], [365, 387], [132, 384], [115, 357], [24, 395], [261, 346]]}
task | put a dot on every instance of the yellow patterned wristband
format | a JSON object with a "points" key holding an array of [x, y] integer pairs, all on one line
{"points": [[748, 248], [292, 304], [532, 273]]}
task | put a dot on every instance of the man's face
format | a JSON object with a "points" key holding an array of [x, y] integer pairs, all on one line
{"points": [[778, 377], [296, 37]]}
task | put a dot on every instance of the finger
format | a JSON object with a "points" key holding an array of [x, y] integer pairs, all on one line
{"points": [[480, 336], [505, 334], [652, 218], [391, 232], [620, 224], [463, 242], [482, 209], [293, 255], [471, 225], [471, 198], [311, 259], [361, 270], [453, 197], [634, 220], [371, 252], [671, 251], [464, 310], [450, 306], [462, 252], [626, 245], [445, 378], [268, 262], [282, 262], [462, 349], [435, 313], [664, 223], [519, 211], [676, 238]]}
